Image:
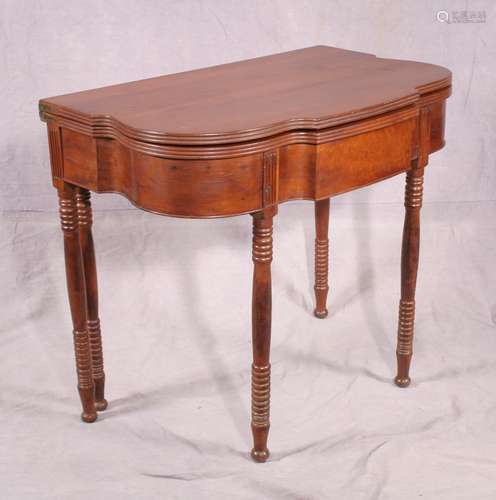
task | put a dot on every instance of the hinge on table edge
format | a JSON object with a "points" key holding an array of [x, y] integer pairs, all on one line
{"points": [[43, 109]]}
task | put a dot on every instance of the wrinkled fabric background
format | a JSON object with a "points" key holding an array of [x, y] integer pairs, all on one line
{"points": [[175, 294]]}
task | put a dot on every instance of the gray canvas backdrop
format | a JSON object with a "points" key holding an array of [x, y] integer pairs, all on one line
{"points": [[175, 294]]}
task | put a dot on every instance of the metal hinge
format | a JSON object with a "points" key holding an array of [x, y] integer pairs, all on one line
{"points": [[43, 110]]}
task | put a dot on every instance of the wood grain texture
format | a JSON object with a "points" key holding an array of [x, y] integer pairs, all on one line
{"points": [[361, 160], [243, 138], [312, 89], [183, 188], [80, 159], [313, 123], [243, 184], [228, 150]]}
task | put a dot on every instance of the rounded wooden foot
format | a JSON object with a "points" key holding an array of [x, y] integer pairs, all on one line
{"points": [[101, 405], [260, 455], [87, 395], [88, 417], [320, 314], [402, 382]]}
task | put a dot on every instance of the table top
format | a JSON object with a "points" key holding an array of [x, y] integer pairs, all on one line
{"points": [[307, 89]]}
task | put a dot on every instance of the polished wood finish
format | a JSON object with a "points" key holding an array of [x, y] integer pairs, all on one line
{"points": [[321, 257], [410, 253], [261, 325], [77, 299], [303, 90], [236, 139], [409, 266], [234, 186], [76, 221], [327, 106], [85, 221]]}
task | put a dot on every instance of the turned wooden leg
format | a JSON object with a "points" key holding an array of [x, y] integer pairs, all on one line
{"points": [[261, 322], [321, 257], [85, 221], [77, 299], [409, 266]]}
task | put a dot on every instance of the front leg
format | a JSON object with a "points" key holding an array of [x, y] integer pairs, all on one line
{"points": [[261, 325], [409, 267], [410, 251], [77, 298], [321, 256], [85, 221]]}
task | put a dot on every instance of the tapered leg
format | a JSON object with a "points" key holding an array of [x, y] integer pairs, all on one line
{"points": [[261, 324], [409, 266], [77, 299], [321, 257], [85, 221]]}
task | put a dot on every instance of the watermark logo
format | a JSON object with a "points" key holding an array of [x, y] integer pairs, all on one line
{"points": [[461, 16]]}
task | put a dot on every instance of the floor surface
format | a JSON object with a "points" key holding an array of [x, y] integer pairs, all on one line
{"points": [[175, 310]]}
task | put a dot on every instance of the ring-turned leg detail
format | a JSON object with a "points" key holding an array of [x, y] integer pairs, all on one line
{"points": [[405, 341], [77, 299], [86, 386], [321, 257], [85, 221], [260, 410], [95, 338], [261, 326], [409, 266]]}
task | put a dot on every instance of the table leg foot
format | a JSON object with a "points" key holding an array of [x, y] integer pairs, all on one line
{"points": [[260, 456], [100, 401], [87, 396], [101, 405], [402, 382], [89, 418], [321, 314]]}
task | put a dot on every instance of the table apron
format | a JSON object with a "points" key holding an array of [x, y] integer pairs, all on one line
{"points": [[220, 187]]}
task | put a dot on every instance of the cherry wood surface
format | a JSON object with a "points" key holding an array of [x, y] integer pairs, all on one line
{"points": [[312, 88], [241, 138]]}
